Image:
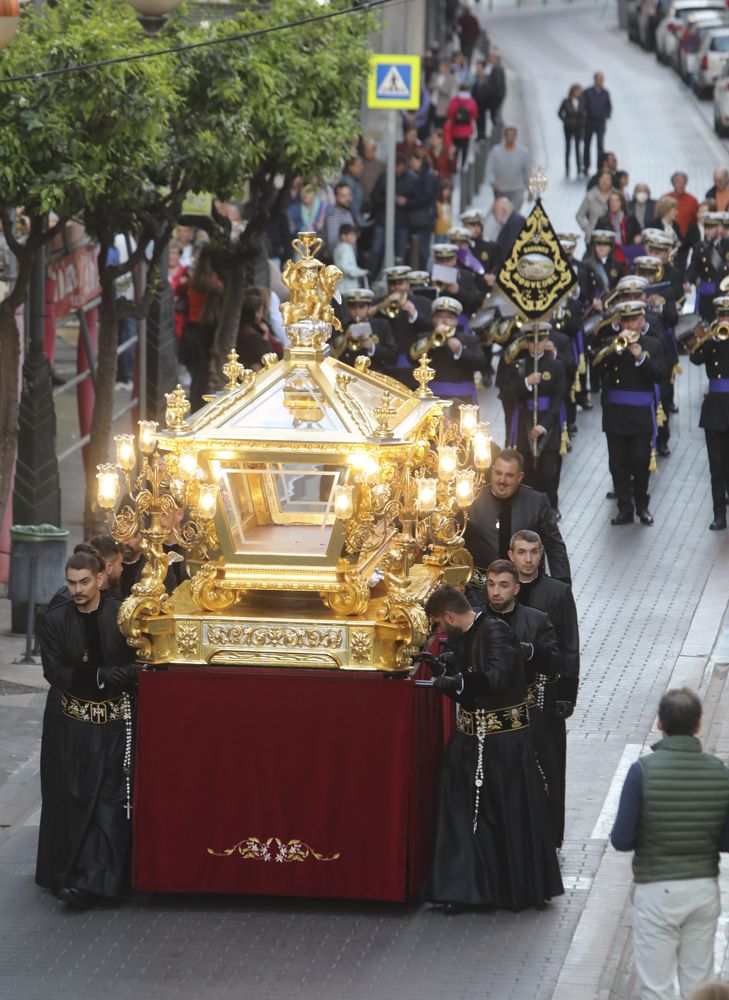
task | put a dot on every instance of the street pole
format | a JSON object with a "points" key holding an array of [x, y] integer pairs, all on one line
{"points": [[390, 200]]}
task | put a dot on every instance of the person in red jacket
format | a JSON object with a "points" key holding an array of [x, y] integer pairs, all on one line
{"points": [[462, 113]]}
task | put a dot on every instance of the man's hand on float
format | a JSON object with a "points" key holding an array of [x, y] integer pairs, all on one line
{"points": [[448, 685]]}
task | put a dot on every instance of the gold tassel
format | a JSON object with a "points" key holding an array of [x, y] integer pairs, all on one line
{"points": [[581, 366], [576, 385], [564, 440], [653, 465], [677, 370], [660, 415]]}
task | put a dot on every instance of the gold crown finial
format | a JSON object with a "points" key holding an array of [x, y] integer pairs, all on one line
{"points": [[538, 182], [177, 406], [233, 370], [424, 374], [383, 415]]}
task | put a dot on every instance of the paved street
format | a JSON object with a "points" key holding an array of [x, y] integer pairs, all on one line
{"points": [[651, 604]]}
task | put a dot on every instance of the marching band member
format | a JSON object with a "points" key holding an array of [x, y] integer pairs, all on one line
{"points": [[454, 354], [363, 334], [408, 316]]}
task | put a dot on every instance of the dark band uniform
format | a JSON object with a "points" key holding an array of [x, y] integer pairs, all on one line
{"points": [[405, 330], [707, 268], [493, 842], [454, 372], [385, 349], [714, 354], [555, 599], [628, 419], [468, 293], [493, 522], [548, 398], [85, 833]]}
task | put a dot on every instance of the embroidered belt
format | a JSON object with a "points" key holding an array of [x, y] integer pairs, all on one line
{"points": [[718, 385], [96, 712], [486, 721], [535, 690]]}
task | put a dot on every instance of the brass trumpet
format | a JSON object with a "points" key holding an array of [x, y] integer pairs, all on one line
{"points": [[618, 344], [391, 306], [424, 345], [717, 331]]}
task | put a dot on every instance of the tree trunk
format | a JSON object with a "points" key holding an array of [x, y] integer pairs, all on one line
{"points": [[9, 373], [227, 332], [103, 404]]}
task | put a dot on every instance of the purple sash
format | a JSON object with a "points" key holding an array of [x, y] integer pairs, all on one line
{"points": [[543, 404], [635, 397], [703, 291], [449, 389], [718, 385], [466, 259]]}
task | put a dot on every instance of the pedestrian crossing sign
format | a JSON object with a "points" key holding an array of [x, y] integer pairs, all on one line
{"points": [[394, 82]]}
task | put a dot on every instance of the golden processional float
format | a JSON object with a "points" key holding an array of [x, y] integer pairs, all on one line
{"points": [[319, 505]]}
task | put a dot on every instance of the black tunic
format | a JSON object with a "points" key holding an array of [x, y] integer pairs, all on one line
{"points": [[85, 836], [492, 522], [715, 407], [510, 861]]}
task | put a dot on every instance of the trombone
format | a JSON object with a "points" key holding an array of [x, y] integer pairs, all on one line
{"points": [[717, 331]]}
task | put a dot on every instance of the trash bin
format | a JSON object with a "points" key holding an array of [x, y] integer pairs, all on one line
{"points": [[37, 562]]}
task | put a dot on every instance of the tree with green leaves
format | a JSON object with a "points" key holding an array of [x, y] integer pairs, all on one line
{"points": [[69, 145]]}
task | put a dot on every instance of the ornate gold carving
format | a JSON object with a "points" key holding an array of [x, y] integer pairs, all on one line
{"points": [[361, 645], [204, 592], [187, 638], [311, 285], [424, 374], [351, 598], [177, 407], [383, 415], [288, 636], [233, 371], [273, 849]]}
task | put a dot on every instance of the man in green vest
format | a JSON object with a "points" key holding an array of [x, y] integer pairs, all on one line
{"points": [[674, 814]]}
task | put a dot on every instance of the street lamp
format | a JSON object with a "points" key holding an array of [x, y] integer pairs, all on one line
{"points": [[9, 21], [152, 14]]}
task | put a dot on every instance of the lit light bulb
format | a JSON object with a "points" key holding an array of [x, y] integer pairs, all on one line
{"points": [[426, 499], [125, 455], [107, 490], [188, 464], [447, 462], [207, 501], [343, 502], [147, 436], [482, 447], [464, 488], [468, 418], [364, 463]]}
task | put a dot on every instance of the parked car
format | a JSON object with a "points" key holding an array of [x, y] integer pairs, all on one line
{"points": [[697, 27], [721, 103], [713, 57], [668, 30], [650, 14]]}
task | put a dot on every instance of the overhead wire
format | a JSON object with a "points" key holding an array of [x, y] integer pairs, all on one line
{"points": [[363, 8]]}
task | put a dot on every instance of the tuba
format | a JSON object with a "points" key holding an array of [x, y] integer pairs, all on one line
{"points": [[424, 345]]}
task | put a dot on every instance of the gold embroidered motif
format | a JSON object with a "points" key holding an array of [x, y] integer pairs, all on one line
{"points": [[187, 638], [96, 712], [288, 636], [361, 643], [272, 849]]}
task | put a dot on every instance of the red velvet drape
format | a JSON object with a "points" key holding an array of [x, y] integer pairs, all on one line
{"points": [[247, 780]]}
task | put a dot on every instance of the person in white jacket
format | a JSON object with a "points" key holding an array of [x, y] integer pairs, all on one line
{"points": [[345, 258]]}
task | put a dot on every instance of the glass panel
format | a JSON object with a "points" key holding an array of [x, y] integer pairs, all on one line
{"points": [[296, 402], [720, 43], [278, 508]]}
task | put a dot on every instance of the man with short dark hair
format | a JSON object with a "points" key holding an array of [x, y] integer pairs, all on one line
{"points": [[598, 109], [85, 830], [674, 816], [554, 598], [338, 215], [491, 792], [504, 507]]}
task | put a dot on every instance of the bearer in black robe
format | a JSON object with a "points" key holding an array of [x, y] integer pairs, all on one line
{"points": [[540, 653], [554, 598], [493, 843], [85, 828]]}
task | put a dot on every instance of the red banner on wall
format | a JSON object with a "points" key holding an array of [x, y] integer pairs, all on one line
{"points": [[76, 280]]}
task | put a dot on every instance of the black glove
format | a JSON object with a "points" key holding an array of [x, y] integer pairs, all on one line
{"points": [[527, 650], [563, 709], [433, 663], [119, 677], [448, 685]]}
